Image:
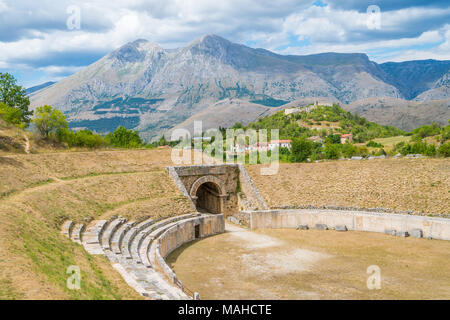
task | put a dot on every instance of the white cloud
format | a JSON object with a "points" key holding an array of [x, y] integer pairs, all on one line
{"points": [[108, 24]]}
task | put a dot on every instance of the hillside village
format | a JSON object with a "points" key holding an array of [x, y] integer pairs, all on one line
{"points": [[325, 131]]}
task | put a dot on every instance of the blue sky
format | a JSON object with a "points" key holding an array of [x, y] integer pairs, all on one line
{"points": [[38, 46]]}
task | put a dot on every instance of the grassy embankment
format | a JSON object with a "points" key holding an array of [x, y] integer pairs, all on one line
{"points": [[39, 191]]}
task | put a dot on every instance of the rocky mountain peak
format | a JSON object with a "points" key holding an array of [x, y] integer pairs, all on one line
{"points": [[135, 51]]}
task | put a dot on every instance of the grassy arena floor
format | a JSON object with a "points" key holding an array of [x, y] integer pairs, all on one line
{"points": [[291, 264]]}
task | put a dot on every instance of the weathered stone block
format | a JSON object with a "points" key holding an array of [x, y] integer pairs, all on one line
{"points": [[234, 220], [303, 227], [341, 228], [390, 232], [321, 226], [403, 234], [417, 233]]}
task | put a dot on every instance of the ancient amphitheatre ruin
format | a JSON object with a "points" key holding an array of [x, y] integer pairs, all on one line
{"points": [[162, 232]]}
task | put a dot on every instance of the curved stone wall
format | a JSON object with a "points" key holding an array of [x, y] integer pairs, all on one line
{"points": [[397, 224], [183, 232]]}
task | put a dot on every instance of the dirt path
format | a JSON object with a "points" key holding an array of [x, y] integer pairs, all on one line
{"points": [[54, 181], [27, 144]]}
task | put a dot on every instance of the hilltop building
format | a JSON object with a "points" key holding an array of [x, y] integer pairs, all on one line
{"points": [[346, 138]]}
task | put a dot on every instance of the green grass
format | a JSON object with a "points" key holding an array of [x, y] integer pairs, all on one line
{"points": [[392, 140], [51, 257]]}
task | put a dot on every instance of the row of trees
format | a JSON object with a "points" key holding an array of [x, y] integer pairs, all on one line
{"points": [[52, 124], [302, 149]]}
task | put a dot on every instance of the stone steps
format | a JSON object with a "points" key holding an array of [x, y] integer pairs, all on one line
{"points": [[110, 231], [117, 238], [127, 245], [77, 232], [134, 252], [92, 236], [67, 227], [131, 234]]}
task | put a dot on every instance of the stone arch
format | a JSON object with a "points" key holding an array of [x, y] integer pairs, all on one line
{"points": [[204, 180], [207, 194]]}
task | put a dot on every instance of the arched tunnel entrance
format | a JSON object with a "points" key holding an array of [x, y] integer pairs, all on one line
{"points": [[209, 198]]}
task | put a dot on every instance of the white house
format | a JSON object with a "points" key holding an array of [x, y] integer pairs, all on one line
{"points": [[279, 143]]}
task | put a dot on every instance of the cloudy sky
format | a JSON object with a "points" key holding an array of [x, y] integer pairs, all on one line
{"points": [[40, 39]]}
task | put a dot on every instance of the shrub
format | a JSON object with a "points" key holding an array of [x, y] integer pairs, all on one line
{"points": [[374, 144], [332, 151], [86, 138], [301, 150], [444, 150], [348, 150], [419, 148], [11, 115], [123, 138], [82, 138], [333, 138], [426, 131]]}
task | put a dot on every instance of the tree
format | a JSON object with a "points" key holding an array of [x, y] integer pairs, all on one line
{"points": [[444, 149], [11, 115], [49, 120], [301, 149], [348, 150], [123, 138], [163, 142], [15, 96], [333, 138], [332, 151]]}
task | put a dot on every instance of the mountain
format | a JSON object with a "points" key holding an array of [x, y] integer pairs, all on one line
{"points": [[415, 77], [148, 88], [403, 114], [39, 87]]}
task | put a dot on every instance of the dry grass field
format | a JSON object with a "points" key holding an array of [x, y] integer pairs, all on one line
{"points": [[311, 264], [39, 191], [419, 185]]}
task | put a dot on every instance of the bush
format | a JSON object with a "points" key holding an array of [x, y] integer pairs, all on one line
{"points": [[11, 115], [426, 131], [123, 138], [444, 150], [374, 144], [301, 149], [419, 148], [82, 138], [86, 138], [333, 138], [348, 150], [332, 151]]}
